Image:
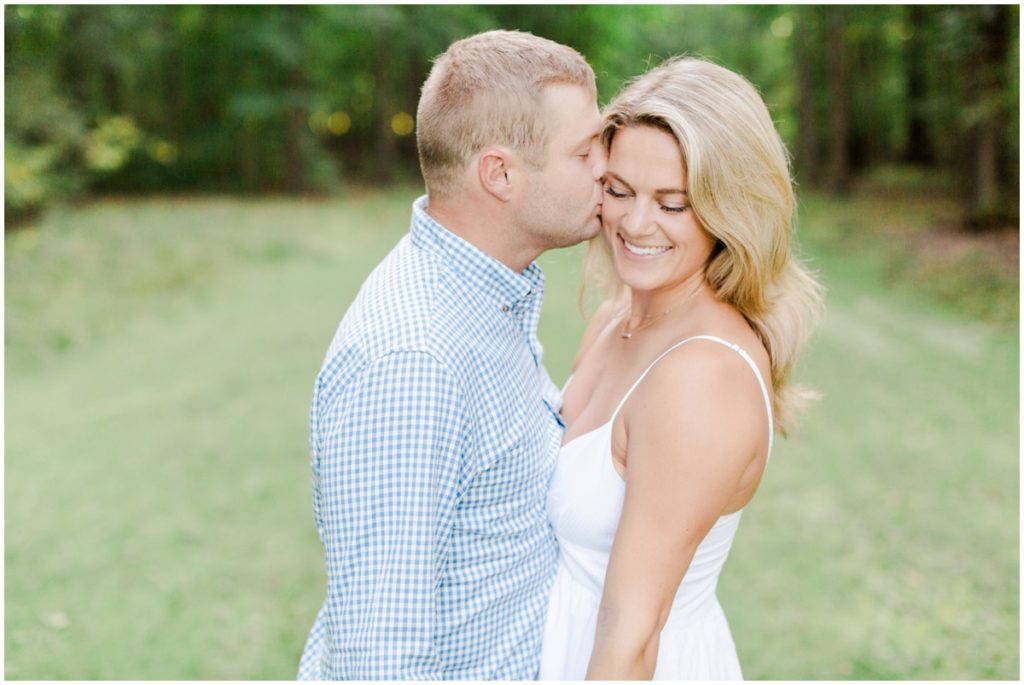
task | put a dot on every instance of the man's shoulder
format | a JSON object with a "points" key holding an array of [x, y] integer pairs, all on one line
{"points": [[407, 305]]}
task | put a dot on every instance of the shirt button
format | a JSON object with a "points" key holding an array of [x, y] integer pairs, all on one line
{"points": [[504, 308]]}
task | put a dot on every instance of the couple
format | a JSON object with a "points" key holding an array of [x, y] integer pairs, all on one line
{"points": [[476, 523]]}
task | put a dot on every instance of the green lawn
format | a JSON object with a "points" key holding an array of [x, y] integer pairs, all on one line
{"points": [[159, 360]]}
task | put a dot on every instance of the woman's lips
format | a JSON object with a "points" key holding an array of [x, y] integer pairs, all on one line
{"points": [[642, 252]]}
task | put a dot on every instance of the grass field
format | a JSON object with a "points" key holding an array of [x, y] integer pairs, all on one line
{"points": [[159, 360]]}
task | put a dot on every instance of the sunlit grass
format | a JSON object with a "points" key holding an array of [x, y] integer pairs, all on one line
{"points": [[159, 360], [157, 480]]}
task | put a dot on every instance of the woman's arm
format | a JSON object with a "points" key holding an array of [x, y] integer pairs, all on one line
{"points": [[692, 430]]}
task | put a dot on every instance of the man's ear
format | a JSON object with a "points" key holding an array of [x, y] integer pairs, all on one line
{"points": [[494, 168]]}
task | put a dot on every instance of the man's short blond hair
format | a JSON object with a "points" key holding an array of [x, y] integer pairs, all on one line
{"points": [[487, 90]]}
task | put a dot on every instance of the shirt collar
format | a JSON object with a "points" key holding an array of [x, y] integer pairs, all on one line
{"points": [[509, 290]]}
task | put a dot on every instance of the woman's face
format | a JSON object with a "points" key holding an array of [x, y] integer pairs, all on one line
{"points": [[656, 240]]}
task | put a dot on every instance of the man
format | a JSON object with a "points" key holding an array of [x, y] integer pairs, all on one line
{"points": [[434, 426]]}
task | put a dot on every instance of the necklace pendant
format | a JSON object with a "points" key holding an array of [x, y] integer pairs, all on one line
{"points": [[626, 335]]}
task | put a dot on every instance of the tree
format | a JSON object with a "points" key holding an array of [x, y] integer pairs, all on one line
{"points": [[807, 45], [987, 201], [264, 98], [837, 60], [918, 148]]}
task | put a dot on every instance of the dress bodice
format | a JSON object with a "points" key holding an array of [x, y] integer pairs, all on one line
{"points": [[585, 504], [585, 501]]}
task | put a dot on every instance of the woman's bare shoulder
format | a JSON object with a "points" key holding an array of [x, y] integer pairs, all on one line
{"points": [[700, 391]]}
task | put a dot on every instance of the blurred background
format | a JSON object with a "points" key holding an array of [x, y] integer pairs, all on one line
{"points": [[193, 195]]}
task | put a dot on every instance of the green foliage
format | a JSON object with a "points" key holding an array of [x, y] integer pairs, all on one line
{"points": [[160, 356], [44, 134], [27, 184], [239, 98], [55, 146], [109, 146]]}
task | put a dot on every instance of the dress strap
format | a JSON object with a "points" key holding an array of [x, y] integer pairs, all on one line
{"points": [[733, 346]]}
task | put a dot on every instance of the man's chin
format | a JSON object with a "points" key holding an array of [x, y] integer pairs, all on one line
{"points": [[586, 231], [592, 228]]}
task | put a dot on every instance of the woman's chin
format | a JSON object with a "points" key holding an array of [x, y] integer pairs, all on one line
{"points": [[628, 278]]}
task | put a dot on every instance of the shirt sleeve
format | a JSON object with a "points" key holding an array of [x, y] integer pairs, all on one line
{"points": [[390, 450]]}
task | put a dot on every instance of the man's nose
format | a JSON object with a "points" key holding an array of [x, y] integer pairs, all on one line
{"points": [[600, 162]]}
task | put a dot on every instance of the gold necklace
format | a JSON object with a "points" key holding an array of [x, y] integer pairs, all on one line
{"points": [[626, 334]]}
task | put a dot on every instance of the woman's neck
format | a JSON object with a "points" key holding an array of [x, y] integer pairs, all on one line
{"points": [[645, 305]]}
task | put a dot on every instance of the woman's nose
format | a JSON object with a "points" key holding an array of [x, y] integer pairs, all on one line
{"points": [[637, 220]]}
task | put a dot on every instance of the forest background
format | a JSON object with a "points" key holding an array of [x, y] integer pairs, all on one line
{"points": [[308, 99], [193, 195]]}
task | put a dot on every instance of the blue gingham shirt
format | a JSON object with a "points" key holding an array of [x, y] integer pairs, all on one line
{"points": [[434, 430]]}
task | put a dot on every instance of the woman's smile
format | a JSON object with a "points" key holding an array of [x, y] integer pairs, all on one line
{"points": [[644, 252]]}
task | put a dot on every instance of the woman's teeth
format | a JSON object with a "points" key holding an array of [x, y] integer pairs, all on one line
{"points": [[644, 251]]}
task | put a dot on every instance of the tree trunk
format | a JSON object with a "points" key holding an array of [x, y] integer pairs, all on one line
{"points": [[986, 202], [919, 145], [297, 112], [386, 143], [837, 61], [295, 153], [806, 44]]}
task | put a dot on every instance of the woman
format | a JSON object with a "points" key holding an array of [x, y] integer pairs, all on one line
{"points": [[680, 379]]}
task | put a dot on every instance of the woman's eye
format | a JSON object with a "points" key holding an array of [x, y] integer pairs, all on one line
{"points": [[674, 210], [611, 191]]}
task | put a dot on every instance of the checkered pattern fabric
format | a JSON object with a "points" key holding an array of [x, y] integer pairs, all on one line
{"points": [[434, 430]]}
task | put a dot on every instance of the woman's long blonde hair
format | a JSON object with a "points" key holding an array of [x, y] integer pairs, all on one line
{"points": [[740, 189]]}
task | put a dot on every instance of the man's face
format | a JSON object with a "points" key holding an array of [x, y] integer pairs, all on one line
{"points": [[561, 204]]}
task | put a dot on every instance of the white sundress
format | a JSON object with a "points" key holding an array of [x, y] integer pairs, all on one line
{"points": [[584, 506]]}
